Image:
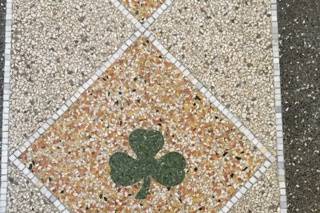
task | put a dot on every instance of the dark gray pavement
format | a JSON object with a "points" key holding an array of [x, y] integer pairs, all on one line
{"points": [[299, 27]]}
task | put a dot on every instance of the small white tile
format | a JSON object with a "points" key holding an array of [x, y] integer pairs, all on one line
{"points": [[248, 185]]}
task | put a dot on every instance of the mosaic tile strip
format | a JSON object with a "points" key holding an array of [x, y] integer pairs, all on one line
{"points": [[5, 113], [278, 106], [2, 47], [142, 9], [122, 104]]}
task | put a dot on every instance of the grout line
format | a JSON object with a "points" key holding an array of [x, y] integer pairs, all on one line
{"points": [[6, 105], [210, 97], [278, 107]]}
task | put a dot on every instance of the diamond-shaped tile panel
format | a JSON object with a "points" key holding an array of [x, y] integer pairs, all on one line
{"points": [[142, 9], [142, 90]]}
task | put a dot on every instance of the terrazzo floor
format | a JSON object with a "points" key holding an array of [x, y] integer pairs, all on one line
{"points": [[142, 106]]}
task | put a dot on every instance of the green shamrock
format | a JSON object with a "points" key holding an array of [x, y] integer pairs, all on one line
{"points": [[168, 170]]}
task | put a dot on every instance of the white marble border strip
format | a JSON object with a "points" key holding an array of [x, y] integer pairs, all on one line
{"points": [[5, 114], [278, 107], [246, 187], [210, 97]]}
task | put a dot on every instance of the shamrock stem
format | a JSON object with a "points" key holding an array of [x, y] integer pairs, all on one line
{"points": [[142, 194]]}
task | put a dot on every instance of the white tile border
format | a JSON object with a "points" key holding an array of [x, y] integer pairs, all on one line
{"points": [[278, 108], [6, 103]]}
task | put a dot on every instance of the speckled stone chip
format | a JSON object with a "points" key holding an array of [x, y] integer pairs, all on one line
{"points": [[142, 90]]}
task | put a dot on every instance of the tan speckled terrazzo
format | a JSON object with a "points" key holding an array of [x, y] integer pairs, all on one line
{"points": [[142, 9], [142, 90]]}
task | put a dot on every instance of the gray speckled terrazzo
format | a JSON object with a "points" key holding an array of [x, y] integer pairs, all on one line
{"points": [[2, 26], [299, 27]]}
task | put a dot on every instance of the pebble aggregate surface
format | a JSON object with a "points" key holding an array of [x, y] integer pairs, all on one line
{"points": [[58, 45]]}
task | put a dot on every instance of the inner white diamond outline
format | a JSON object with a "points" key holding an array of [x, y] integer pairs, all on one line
{"points": [[143, 31]]}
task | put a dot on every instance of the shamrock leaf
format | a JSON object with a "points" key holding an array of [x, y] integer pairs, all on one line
{"points": [[168, 170]]}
